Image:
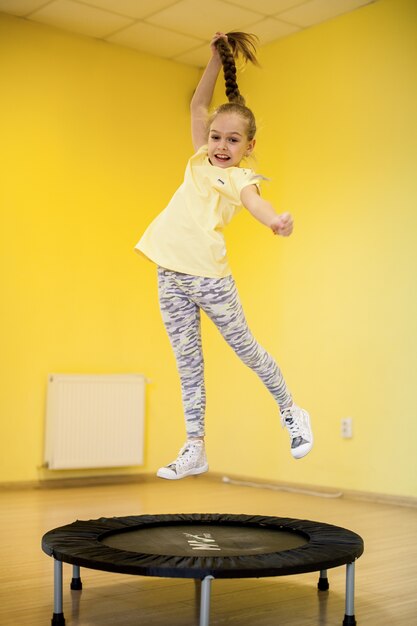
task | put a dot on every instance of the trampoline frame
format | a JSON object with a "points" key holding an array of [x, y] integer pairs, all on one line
{"points": [[204, 580]]}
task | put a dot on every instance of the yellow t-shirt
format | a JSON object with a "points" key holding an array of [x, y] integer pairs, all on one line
{"points": [[188, 236]]}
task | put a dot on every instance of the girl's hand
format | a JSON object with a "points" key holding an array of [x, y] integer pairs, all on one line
{"points": [[213, 47], [283, 225]]}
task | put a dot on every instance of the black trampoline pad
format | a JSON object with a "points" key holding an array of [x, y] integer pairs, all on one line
{"points": [[177, 545], [204, 540]]}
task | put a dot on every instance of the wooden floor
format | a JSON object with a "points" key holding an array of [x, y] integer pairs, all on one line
{"points": [[386, 574]]}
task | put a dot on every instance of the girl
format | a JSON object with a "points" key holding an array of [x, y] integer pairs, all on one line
{"points": [[186, 242]]}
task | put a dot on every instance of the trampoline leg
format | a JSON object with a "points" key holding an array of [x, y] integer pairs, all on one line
{"points": [[58, 618], [197, 596], [323, 584], [76, 584], [205, 601], [349, 619]]}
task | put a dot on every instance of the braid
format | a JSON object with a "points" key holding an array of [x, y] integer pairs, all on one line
{"points": [[237, 44]]}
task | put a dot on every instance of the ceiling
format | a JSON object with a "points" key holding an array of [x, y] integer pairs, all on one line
{"points": [[178, 29]]}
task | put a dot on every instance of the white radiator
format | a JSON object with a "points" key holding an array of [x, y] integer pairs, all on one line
{"points": [[94, 420]]}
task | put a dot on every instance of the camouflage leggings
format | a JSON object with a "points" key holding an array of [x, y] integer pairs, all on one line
{"points": [[181, 297]]}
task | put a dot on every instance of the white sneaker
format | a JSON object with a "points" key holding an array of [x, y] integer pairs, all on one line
{"points": [[297, 422], [191, 460]]}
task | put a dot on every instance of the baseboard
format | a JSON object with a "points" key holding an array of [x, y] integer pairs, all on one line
{"points": [[79, 481], [19, 485], [317, 491], [93, 481], [381, 498]]}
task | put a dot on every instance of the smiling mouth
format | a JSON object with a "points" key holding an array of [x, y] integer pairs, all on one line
{"points": [[222, 157]]}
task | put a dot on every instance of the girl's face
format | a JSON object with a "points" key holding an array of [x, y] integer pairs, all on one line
{"points": [[228, 141]]}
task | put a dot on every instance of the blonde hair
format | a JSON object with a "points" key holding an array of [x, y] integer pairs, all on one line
{"points": [[243, 45]]}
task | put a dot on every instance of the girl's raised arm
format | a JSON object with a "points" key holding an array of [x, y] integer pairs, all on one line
{"points": [[264, 212], [203, 94]]}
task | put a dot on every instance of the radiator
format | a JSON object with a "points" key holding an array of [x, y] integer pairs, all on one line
{"points": [[94, 421]]}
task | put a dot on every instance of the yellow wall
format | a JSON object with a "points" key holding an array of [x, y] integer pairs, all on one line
{"points": [[93, 141], [336, 303], [84, 125]]}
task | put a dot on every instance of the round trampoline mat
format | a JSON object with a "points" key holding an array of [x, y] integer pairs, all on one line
{"points": [[205, 540], [202, 544]]}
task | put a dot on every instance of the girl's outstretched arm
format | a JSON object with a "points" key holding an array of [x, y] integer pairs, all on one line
{"points": [[203, 94], [265, 213]]}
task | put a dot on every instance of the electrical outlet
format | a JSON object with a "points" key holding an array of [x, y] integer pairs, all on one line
{"points": [[347, 428]]}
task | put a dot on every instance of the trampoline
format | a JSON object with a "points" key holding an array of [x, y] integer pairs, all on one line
{"points": [[203, 547]]}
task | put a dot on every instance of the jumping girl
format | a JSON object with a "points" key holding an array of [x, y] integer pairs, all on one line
{"points": [[187, 244]]}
